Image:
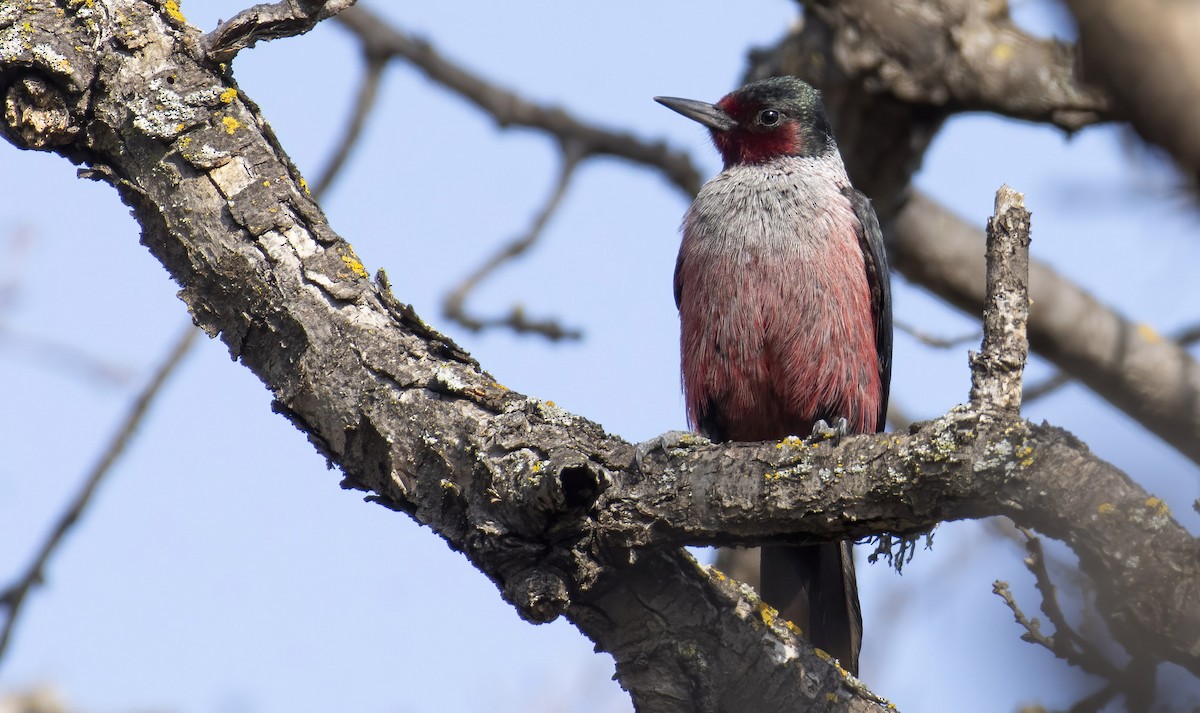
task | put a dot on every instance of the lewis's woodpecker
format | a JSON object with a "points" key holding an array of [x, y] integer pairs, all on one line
{"points": [[785, 311]]}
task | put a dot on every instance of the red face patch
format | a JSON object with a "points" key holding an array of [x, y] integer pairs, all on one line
{"points": [[750, 141]]}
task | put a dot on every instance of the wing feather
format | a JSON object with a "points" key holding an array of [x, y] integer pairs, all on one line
{"points": [[870, 239]]}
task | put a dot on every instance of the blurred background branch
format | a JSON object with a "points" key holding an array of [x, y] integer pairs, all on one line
{"points": [[13, 597]]}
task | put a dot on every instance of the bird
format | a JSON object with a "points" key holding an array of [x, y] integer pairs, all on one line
{"points": [[784, 301]]}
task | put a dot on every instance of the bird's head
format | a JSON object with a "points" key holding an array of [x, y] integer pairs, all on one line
{"points": [[780, 116]]}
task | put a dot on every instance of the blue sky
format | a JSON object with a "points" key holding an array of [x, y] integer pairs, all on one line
{"points": [[222, 570]]}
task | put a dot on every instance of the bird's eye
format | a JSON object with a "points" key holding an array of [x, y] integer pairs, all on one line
{"points": [[768, 117]]}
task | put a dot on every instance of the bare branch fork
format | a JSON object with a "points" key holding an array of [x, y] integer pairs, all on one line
{"points": [[454, 306], [1066, 643], [545, 503], [508, 108]]}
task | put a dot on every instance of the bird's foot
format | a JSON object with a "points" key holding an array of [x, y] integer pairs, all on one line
{"points": [[664, 443], [822, 431]]}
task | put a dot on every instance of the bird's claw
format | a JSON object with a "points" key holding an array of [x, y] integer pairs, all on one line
{"points": [[822, 431], [664, 442]]}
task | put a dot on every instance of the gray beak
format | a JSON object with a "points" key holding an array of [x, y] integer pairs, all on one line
{"points": [[710, 115]]}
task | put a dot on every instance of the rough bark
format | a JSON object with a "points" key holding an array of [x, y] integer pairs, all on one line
{"points": [[559, 514]]}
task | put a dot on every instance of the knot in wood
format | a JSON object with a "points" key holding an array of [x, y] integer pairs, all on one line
{"points": [[576, 483], [36, 115], [539, 595]]}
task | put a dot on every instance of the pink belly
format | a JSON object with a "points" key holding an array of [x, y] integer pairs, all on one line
{"points": [[767, 351]]}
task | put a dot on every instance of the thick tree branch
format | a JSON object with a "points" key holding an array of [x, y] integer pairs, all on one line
{"points": [[892, 72], [1184, 338], [961, 54], [542, 501]]}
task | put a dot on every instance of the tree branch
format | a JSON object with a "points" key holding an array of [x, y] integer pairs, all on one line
{"points": [[1184, 338], [546, 503], [50, 353], [891, 72], [268, 21], [963, 55], [510, 109], [935, 341], [368, 92], [453, 307], [1067, 644], [996, 371]]}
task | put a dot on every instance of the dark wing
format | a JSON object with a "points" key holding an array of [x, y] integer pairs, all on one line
{"points": [[870, 239], [712, 424], [678, 284]]}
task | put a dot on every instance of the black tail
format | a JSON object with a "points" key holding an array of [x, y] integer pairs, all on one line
{"points": [[813, 586]]}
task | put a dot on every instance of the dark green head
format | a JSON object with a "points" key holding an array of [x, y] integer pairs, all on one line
{"points": [[779, 116]]}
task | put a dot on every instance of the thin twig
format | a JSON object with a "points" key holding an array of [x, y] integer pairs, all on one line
{"points": [[13, 598], [53, 354], [1067, 644], [1033, 628], [268, 21], [368, 92], [931, 340], [1046, 386], [43, 351], [1135, 681], [508, 108], [453, 306]]}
